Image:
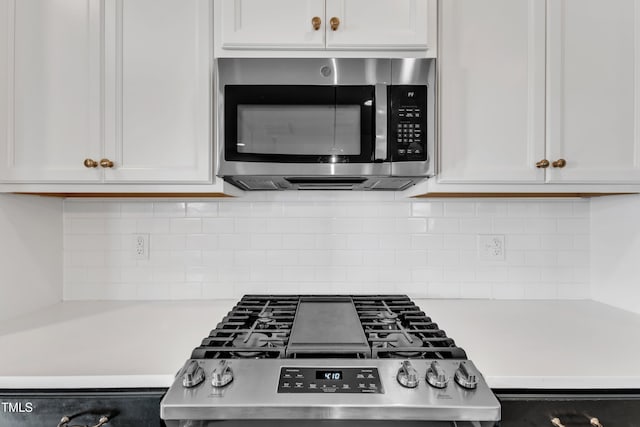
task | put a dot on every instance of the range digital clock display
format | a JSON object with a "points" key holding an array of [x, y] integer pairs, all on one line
{"points": [[329, 375]]}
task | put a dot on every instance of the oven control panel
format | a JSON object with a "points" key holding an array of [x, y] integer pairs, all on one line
{"points": [[408, 123], [329, 380]]}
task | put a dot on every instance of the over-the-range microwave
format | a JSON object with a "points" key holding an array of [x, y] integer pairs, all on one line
{"points": [[304, 124]]}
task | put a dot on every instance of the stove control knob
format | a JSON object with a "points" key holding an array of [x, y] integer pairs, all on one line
{"points": [[222, 374], [465, 378], [436, 376], [407, 375], [192, 375]]}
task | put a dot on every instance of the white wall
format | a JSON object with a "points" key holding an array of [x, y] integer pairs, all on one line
{"points": [[615, 256], [30, 253], [318, 242]]}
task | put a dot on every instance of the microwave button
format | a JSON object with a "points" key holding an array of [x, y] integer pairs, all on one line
{"points": [[402, 152]]}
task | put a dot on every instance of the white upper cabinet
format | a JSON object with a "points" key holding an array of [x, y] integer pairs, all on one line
{"points": [[593, 111], [158, 90], [377, 24], [271, 24], [355, 25], [105, 91], [492, 86], [49, 89]]}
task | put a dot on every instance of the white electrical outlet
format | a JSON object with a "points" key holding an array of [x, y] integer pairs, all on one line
{"points": [[491, 247], [141, 246]]}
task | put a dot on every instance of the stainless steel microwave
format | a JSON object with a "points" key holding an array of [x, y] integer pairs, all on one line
{"points": [[304, 124]]}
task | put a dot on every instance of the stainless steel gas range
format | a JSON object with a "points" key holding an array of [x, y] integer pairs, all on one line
{"points": [[338, 360]]}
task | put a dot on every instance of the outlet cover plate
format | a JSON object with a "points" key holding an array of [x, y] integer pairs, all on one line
{"points": [[491, 247]]}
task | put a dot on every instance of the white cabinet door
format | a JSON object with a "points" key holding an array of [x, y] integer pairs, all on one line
{"points": [[594, 90], [492, 80], [158, 90], [377, 24], [272, 24], [50, 58]]}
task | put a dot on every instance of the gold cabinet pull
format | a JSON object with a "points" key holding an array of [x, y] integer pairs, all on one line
{"points": [[64, 422], [542, 164], [560, 163], [595, 422], [556, 422], [106, 163], [316, 22], [90, 163], [334, 23]]}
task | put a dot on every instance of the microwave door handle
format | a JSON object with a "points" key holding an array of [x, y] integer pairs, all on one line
{"points": [[381, 122]]}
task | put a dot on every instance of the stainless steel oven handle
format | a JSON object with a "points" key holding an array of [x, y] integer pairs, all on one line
{"points": [[381, 122], [64, 422]]}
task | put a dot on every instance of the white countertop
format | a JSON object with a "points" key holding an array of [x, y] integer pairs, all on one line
{"points": [[515, 344]]}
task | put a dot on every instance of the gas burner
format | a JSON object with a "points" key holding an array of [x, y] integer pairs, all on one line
{"points": [[266, 319], [404, 341], [387, 317], [250, 340]]}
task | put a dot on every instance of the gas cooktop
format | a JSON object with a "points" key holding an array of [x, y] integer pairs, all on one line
{"points": [[328, 360], [358, 326]]}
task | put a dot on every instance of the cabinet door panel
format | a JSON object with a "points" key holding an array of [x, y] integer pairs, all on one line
{"points": [[378, 24], [158, 90], [50, 73], [594, 90], [273, 24], [492, 68]]}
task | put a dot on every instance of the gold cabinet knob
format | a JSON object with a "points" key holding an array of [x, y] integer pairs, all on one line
{"points": [[334, 23], [90, 163], [595, 422], [106, 163], [316, 22], [560, 163], [542, 164], [556, 422]]}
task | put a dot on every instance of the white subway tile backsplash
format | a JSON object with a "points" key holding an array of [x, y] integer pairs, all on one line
{"points": [[86, 226], [185, 291], [556, 209], [116, 226], [443, 225], [523, 209], [573, 225], [169, 209], [77, 209], [185, 225], [217, 225], [459, 209], [153, 225], [265, 241], [475, 225], [202, 209], [491, 209], [411, 225], [325, 242], [427, 209], [363, 241], [507, 291], [427, 241], [136, 210], [508, 225]]}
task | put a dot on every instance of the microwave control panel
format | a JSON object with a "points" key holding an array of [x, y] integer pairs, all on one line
{"points": [[407, 123]]}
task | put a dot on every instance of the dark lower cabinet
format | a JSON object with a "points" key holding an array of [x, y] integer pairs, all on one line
{"points": [[45, 408], [571, 409]]}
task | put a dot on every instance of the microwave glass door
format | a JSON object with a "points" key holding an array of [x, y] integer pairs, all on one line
{"points": [[314, 124]]}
